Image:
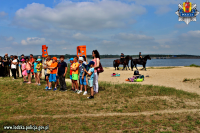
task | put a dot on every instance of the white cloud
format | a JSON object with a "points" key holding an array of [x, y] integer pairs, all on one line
{"points": [[133, 37], [33, 41], [3, 14], [78, 15]]}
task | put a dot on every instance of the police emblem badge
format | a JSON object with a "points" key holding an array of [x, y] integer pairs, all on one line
{"points": [[187, 12]]}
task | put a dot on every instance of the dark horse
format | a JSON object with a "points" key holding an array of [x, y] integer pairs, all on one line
{"points": [[134, 62], [117, 62]]}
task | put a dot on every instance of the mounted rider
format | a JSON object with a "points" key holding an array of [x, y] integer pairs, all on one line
{"points": [[140, 57], [122, 58]]}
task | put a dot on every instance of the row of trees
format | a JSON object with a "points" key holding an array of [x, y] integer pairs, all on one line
{"points": [[118, 56]]}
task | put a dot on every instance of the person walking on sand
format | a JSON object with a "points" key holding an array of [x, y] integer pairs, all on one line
{"points": [[96, 59]]}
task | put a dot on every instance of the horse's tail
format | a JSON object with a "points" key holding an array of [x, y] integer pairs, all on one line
{"points": [[114, 63]]}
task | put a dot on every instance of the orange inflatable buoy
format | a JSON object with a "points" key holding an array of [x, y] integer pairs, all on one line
{"points": [[81, 50], [44, 51]]}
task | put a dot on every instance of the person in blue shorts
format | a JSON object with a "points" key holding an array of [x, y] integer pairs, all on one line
{"points": [[82, 77]]}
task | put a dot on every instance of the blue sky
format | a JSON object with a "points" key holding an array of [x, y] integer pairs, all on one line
{"points": [[110, 26]]}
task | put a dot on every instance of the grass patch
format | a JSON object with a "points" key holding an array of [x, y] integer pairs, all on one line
{"points": [[190, 80], [193, 65], [18, 99]]}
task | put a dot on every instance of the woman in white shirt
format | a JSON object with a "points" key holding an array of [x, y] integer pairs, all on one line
{"points": [[14, 66]]}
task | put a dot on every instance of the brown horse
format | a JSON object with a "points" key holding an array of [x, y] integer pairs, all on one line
{"points": [[140, 62], [117, 62]]}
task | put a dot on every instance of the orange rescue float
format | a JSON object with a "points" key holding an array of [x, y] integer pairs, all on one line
{"points": [[44, 51], [81, 50]]}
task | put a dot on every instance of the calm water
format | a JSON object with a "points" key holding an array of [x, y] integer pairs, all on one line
{"points": [[156, 62]]}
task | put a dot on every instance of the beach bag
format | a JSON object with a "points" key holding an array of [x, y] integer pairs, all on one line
{"points": [[100, 68], [136, 72]]}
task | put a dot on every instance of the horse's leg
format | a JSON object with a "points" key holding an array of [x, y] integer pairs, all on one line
{"points": [[136, 66]]}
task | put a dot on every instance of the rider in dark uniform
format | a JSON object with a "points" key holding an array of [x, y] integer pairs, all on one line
{"points": [[122, 58], [140, 57]]}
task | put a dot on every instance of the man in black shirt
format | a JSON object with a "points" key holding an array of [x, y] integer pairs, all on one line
{"points": [[140, 57], [6, 61], [122, 58]]}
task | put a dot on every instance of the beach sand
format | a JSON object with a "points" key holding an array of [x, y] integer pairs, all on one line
{"points": [[162, 77]]}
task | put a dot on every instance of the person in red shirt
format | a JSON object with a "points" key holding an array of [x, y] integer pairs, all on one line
{"points": [[32, 66]]}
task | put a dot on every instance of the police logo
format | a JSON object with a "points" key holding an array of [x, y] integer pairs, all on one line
{"points": [[187, 12]]}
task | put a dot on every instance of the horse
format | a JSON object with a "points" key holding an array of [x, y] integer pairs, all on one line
{"points": [[134, 62], [117, 62]]}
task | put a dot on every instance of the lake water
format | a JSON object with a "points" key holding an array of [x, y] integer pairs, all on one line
{"points": [[155, 62]]}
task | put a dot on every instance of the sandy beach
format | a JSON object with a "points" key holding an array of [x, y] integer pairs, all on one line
{"points": [[163, 77]]}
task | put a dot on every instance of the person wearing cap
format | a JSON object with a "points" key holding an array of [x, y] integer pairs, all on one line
{"points": [[75, 73], [53, 76], [71, 60], [62, 71], [48, 72], [82, 77], [90, 78], [39, 70], [23, 68], [35, 70]]}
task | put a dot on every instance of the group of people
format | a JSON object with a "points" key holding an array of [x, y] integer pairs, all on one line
{"points": [[81, 72]]}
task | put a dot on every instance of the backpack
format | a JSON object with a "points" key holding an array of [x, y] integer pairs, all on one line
{"points": [[136, 72]]}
